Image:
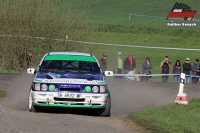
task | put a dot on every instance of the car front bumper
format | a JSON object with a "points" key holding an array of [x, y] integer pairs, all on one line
{"points": [[81, 100]]}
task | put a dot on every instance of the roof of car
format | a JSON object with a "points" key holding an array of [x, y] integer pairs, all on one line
{"points": [[69, 53]]}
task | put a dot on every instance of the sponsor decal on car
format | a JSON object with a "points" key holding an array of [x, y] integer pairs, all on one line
{"points": [[37, 80], [102, 82], [71, 81]]}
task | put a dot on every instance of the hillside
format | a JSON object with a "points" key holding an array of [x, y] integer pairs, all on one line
{"points": [[117, 11]]}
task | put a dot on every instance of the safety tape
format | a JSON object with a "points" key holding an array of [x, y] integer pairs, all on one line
{"points": [[143, 15], [97, 43], [153, 75]]}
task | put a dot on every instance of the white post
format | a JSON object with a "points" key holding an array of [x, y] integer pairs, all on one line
{"points": [[129, 16], [182, 82]]}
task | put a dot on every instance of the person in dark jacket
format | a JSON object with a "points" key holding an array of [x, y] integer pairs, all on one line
{"points": [[187, 67], [177, 70], [165, 65], [195, 71], [146, 68], [103, 62], [129, 63]]}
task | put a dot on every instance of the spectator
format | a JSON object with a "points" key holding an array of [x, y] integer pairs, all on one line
{"points": [[187, 67], [139, 78], [130, 75], [118, 65], [103, 62], [165, 65], [30, 59], [195, 71], [177, 70], [146, 69], [129, 63], [26, 59]]}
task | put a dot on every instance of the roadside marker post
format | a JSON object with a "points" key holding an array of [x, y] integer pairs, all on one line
{"points": [[181, 97]]}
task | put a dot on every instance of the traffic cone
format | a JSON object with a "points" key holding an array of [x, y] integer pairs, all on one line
{"points": [[181, 98]]}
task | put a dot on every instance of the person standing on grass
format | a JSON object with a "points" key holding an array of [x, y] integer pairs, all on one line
{"points": [[195, 71], [165, 65], [177, 70], [146, 68], [129, 63], [118, 65], [103, 63], [187, 67]]}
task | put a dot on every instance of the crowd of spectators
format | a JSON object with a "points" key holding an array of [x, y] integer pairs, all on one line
{"points": [[128, 67]]}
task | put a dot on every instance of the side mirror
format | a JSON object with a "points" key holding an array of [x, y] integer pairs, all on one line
{"points": [[31, 70], [108, 73]]}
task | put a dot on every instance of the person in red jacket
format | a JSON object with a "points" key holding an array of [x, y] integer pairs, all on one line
{"points": [[129, 63], [177, 70]]}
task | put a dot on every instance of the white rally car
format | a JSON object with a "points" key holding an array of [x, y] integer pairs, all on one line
{"points": [[69, 80]]}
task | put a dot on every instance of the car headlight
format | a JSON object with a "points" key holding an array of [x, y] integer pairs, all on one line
{"points": [[95, 89], [37, 87], [102, 89], [44, 87], [87, 89]]}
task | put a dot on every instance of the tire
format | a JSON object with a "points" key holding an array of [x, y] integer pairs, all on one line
{"points": [[106, 111], [31, 108]]}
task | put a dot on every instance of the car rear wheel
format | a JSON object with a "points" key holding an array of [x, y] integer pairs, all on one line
{"points": [[106, 111], [30, 104]]}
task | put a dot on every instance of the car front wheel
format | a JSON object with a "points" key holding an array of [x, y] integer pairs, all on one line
{"points": [[106, 111], [30, 104]]}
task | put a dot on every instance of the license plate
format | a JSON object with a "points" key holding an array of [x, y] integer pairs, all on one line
{"points": [[41, 95], [67, 95]]}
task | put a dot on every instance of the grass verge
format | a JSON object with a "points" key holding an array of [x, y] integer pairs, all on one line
{"points": [[2, 93], [173, 118]]}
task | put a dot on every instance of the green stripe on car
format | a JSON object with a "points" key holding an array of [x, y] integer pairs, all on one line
{"points": [[70, 57]]}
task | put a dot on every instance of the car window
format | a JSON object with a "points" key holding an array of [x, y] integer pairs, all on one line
{"points": [[70, 65]]}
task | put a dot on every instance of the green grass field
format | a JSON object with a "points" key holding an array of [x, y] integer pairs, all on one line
{"points": [[173, 118], [116, 12]]}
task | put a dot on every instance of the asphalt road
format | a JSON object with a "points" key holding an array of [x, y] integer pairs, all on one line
{"points": [[126, 97]]}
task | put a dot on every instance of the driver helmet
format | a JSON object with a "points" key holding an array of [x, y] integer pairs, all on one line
{"points": [[57, 63]]}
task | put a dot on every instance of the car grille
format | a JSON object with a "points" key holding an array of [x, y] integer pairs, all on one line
{"points": [[70, 99], [70, 89]]}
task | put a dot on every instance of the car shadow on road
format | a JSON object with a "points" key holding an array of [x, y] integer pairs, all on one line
{"points": [[83, 112]]}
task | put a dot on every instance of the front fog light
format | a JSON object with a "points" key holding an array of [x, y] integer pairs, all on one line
{"points": [[102, 89], [52, 87], [95, 89], [87, 89], [44, 87]]}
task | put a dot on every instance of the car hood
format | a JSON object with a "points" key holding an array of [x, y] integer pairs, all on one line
{"points": [[70, 75]]}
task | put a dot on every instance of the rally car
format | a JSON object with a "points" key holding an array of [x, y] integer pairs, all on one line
{"points": [[69, 80]]}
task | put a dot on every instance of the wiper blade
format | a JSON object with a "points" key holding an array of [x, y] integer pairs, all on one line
{"points": [[52, 70]]}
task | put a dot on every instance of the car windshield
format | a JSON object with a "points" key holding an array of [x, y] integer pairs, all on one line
{"points": [[70, 66]]}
